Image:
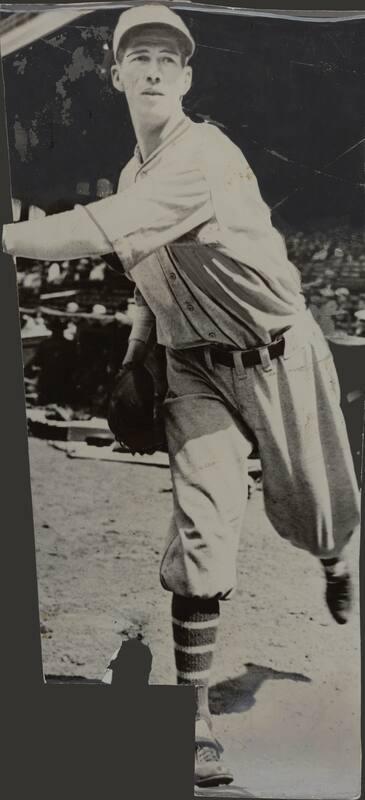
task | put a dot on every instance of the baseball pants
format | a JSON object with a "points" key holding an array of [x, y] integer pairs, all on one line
{"points": [[287, 407]]}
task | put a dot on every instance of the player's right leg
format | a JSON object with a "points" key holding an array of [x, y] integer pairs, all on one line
{"points": [[208, 450], [208, 457]]}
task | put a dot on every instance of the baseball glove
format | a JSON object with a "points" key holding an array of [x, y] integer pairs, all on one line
{"points": [[135, 411]]}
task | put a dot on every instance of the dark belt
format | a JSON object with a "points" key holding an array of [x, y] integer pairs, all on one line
{"points": [[249, 358]]}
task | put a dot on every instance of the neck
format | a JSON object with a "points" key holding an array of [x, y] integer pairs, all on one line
{"points": [[150, 136]]}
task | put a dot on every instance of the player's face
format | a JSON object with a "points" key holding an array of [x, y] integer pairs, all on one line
{"points": [[153, 76]]}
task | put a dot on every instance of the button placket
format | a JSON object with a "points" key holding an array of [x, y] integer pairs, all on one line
{"points": [[184, 299]]}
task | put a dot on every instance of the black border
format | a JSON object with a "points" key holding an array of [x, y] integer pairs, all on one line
{"points": [[57, 745]]}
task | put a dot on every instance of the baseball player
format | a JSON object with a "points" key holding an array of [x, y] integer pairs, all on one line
{"points": [[247, 366]]}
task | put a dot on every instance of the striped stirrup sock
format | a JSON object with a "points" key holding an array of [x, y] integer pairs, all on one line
{"points": [[195, 623], [334, 567]]}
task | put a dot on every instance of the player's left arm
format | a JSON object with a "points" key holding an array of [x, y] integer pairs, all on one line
{"points": [[151, 213]]}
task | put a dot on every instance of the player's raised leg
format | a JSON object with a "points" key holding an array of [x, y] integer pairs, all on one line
{"points": [[311, 494]]}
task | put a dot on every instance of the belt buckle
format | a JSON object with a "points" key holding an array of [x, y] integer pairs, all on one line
{"points": [[278, 341], [263, 352]]}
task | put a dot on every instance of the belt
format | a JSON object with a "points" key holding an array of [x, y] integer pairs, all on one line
{"points": [[249, 358]]}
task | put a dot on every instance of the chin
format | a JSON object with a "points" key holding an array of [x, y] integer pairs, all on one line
{"points": [[157, 116]]}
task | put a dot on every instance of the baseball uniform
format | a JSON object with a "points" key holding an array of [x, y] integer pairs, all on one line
{"points": [[191, 229]]}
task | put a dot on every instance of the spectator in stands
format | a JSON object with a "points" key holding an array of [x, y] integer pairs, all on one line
{"points": [[33, 281], [82, 270], [70, 331], [27, 324], [65, 272], [99, 310], [97, 272], [342, 292], [321, 255], [54, 273], [40, 323], [72, 307], [344, 304], [341, 321]]}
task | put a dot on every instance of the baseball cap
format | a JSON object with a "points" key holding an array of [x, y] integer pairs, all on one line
{"points": [[151, 15], [360, 315], [342, 290]]}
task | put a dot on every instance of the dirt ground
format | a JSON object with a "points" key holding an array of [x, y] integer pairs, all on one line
{"points": [[286, 680]]}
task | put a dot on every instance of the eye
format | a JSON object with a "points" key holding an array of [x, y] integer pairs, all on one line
{"points": [[168, 60], [140, 58]]}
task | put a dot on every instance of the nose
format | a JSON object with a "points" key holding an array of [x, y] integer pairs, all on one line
{"points": [[153, 72]]}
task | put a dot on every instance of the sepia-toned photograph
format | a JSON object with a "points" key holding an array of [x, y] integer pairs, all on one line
{"points": [[188, 236]]}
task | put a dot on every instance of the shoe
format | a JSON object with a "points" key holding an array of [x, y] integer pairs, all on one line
{"points": [[210, 770], [339, 594]]}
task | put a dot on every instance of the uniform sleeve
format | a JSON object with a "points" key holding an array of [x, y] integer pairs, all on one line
{"points": [[153, 212], [64, 236]]}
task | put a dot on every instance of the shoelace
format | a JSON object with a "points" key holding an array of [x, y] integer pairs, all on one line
{"points": [[206, 753]]}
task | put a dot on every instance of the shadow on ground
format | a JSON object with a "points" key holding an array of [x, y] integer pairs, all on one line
{"points": [[234, 695]]}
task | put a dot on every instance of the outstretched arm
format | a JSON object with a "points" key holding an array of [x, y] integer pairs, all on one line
{"points": [[133, 223], [65, 236]]}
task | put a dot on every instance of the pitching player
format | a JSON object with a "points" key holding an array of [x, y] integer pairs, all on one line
{"points": [[246, 363]]}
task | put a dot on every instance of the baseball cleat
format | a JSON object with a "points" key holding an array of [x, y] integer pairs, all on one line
{"points": [[210, 770], [339, 595]]}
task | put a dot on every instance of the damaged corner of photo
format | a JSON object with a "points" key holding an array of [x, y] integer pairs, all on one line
{"points": [[188, 231]]}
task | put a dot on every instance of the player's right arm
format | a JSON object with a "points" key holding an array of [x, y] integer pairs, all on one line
{"points": [[143, 329], [151, 213], [141, 345]]}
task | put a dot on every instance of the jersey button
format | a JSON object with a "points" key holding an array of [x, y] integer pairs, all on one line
{"points": [[212, 334], [189, 306], [172, 276]]}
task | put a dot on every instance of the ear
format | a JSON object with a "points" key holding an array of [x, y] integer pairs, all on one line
{"points": [[187, 79], [116, 78]]}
